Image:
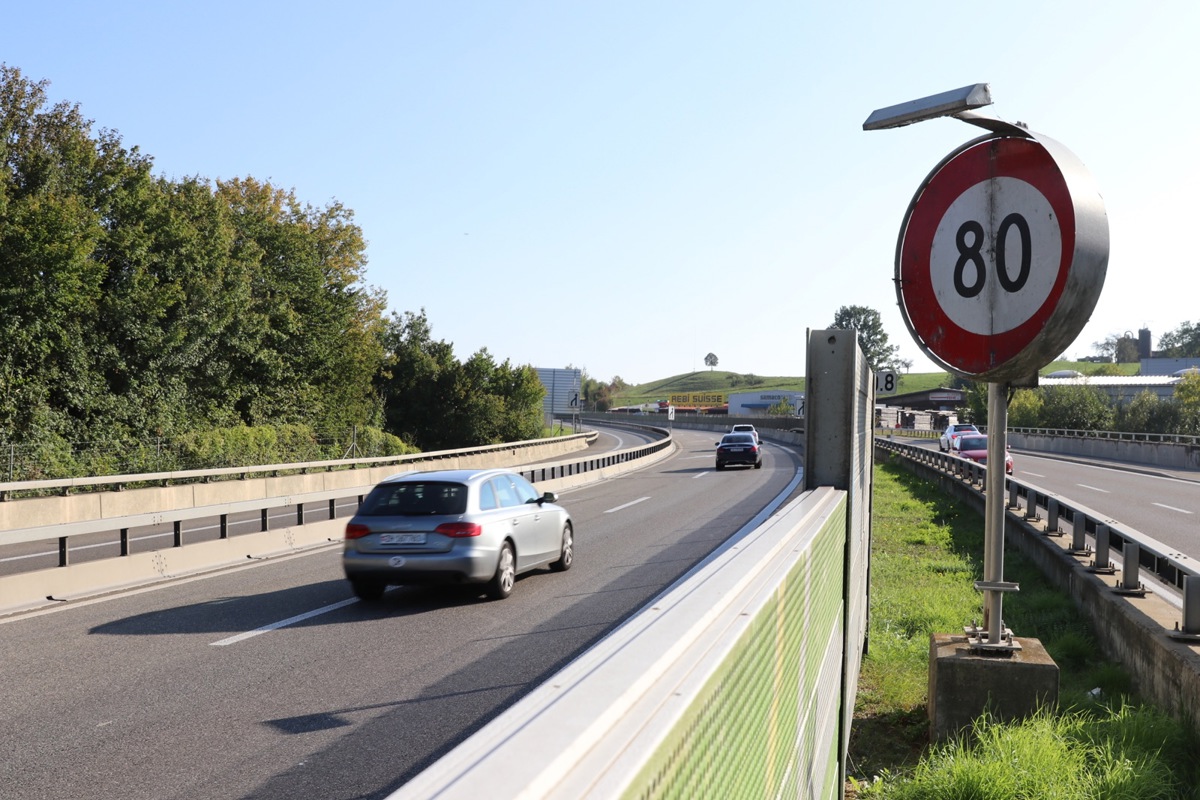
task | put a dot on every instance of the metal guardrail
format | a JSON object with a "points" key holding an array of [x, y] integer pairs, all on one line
{"points": [[119, 482], [1139, 551], [1119, 436], [64, 532]]}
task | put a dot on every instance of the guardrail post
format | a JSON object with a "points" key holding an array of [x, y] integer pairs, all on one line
{"points": [[224, 526], [1191, 608], [299, 513], [1131, 557], [63, 560], [332, 508], [265, 521], [1052, 516], [1031, 511], [124, 541], [178, 533], [1101, 562], [1013, 492], [1078, 533]]}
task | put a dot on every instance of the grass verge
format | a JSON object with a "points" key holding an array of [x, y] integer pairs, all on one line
{"points": [[926, 554]]}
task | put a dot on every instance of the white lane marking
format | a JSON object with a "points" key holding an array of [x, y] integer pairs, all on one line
{"points": [[1093, 488], [1171, 508], [241, 637], [1034, 474], [627, 505], [701, 474]]}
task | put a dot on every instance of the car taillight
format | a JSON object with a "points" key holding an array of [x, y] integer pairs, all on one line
{"points": [[355, 530], [459, 530]]}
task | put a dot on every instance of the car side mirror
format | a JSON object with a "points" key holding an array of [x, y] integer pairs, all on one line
{"points": [[548, 497]]}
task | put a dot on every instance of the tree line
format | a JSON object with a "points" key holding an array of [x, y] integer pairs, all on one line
{"points": [[133, 306]]}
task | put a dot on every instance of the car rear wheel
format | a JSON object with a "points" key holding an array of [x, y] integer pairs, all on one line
{"points": [[567, 554], [758, 465], [720, 467], [367, 590], [501, 584]]}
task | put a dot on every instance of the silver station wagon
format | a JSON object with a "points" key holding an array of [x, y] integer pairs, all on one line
{"points": [[455, 526]]}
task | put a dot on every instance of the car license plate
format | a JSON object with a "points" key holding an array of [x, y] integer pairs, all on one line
{"points": [[737, 449], [402, 538]]}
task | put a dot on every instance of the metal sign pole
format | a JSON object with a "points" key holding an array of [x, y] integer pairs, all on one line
{"points": [[993, 584]]}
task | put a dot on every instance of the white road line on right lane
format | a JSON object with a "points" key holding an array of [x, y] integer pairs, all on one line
{"points": [[627, 505], [1171, 508], [1093, 488]]}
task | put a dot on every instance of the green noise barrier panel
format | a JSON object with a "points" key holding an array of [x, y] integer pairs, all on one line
{"points": [[765, 725]]}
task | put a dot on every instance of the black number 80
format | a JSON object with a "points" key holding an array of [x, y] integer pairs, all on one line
{"points": [[971, 254]]}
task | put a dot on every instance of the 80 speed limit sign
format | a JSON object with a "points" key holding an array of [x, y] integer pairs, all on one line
{"points": [[1001, 257]]}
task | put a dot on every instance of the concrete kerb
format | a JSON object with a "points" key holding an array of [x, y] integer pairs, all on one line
{"points": [[51, 587], [1132, 630]]}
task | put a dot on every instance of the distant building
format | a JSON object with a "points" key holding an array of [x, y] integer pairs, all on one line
{"points": [[1120, 388], [1167, 366], [759, 403], [939, 399]]}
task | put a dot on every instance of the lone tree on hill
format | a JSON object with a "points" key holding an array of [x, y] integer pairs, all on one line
{"points": [[710, 361]]}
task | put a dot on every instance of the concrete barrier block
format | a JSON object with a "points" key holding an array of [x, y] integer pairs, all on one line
{"points": [[964, 683]]}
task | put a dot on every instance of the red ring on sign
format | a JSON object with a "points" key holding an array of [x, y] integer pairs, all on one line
{"points": [[942, 338]]}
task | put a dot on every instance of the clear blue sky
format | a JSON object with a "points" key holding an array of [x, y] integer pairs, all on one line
{"points": [[628, 186]]}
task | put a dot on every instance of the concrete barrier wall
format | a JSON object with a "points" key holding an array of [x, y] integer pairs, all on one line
{"points": [[1165, 454], [37, 511]]}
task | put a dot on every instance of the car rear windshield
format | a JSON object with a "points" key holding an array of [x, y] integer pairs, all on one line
{"points": [[972, 443], [738, 438], [415, 499]]}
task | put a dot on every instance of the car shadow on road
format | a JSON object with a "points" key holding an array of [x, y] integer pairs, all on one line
{"points": [[249, 612]]}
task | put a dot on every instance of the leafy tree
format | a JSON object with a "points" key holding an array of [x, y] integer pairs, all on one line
{"points": [[1187, 400], [436, 403], [1025, 409], [1147, 413], [871, 336], [1076, 408], [1121, 348], [1183, 342], [49, 284], [710, 361]]}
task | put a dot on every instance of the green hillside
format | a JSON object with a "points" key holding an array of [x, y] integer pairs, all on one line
{"points": [[733, 382]]}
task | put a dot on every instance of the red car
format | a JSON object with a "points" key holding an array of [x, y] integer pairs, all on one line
{"points": [[974, 447]]}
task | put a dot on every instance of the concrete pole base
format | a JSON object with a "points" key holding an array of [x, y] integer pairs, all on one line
{"points": [[964, 682]]}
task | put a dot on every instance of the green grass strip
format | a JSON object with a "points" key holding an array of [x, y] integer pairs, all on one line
{"points": [[926, 554]]}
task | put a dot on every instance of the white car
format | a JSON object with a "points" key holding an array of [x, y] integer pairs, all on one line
{"points": [[744, 427], [946, 443]]}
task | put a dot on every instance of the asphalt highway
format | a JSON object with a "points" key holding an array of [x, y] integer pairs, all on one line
{"points": [[273, 681]]}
